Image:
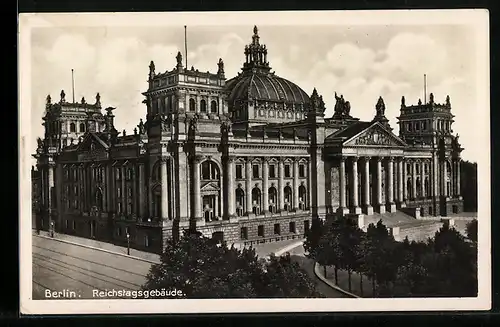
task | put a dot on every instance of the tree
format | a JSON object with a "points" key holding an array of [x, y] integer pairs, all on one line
{"points": [[350, 237], [331, 246], [471, 230], [205, 268], [379, 249], [285, 279]]}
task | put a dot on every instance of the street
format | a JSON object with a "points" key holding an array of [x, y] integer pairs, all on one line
{"points": [[64, 267], [77, 272]]}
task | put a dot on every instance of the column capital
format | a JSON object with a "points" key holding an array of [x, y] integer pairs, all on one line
{"points": [[390, 159], [231, 159], [378, 159], [342, 159], [164, 158], [265, 159], [250, 159], [366, 158]]}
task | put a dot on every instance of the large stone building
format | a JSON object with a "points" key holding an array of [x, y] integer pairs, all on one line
{"points": [[248, 159]]}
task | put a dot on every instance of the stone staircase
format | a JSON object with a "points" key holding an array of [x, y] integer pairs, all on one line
{"points": [[402, 225]]}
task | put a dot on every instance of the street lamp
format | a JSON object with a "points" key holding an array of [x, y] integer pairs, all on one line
{"points": [[128, 244]]}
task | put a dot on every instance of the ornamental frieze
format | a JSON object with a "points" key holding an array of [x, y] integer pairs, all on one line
{"points": [[374, 138]]}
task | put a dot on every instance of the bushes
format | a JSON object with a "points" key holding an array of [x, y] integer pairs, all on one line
{"points": [[445, 265]]}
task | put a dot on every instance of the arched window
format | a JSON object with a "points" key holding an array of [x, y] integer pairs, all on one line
{"points": [[256, 201], [288, 198], [72, 127], [98, 199], [213, 106], [209, 170], [82, 127], [203, 106], [240, 202], [409, 194], [192, 105], [427, 187], [302, 197], [156, 202], [273, 199], [418, 187]]}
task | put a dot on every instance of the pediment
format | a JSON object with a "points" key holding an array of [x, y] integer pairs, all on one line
{"points": [[210, 188], [92, 143], [375, 135]]}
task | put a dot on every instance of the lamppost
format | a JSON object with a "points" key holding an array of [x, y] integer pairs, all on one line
{"points": [[128, 244]]}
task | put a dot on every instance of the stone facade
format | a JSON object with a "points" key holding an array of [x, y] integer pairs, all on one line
{"points": [[248, 160]]}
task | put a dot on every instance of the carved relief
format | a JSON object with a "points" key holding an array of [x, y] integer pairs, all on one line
{"points": [[374, 137]]}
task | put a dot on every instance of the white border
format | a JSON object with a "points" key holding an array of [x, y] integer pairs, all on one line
{"points": [[476, 19]]}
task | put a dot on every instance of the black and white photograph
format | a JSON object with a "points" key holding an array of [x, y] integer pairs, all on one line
{"points": [[254, 162]]}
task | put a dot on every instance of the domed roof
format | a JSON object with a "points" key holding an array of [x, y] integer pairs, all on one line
{"points": [[256, 81], [264, 86]]}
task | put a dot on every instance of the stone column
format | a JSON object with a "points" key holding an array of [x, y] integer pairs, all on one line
{"points": [[368, 209], [342, 184], [296, 184], [281, 185], [401, 183], [124, 191], [354, 187], [380, 205], [141, 191], [104, 189], [459, 191], [422, 180], [197, 188], [445, 175], [265, 184], [248, 176], [414, 180], [391, 207], [51, 187], [230, 186], [309, 184], [164, 189]]}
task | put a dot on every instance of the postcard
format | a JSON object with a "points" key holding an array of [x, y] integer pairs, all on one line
{"points": [[239, 162]]}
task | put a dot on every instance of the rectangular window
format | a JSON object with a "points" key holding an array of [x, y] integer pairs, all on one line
{"points": [[119, 192], [424, 125], [302, 171], [239, 171], [118, 231], [118, 174], [277, 230], [119, 207], [306, 226], [129, 207], [66, 224], [260, 230], [409, 127], [287, 171], [272, 171], [244, 233], [129, 192], [255, 171], [292, 228], [417, 126], [74, 225]]}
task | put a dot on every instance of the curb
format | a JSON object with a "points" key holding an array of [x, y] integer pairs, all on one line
{"points": [[332, 285], [99, 249]]}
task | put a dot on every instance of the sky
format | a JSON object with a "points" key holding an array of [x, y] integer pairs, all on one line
{"points": [[361, 62]]}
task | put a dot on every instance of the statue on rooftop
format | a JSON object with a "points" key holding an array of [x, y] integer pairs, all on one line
{"points": [[63, 96], [220, 64], [97, 99]]}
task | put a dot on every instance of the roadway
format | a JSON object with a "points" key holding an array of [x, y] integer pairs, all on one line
{"points": [[60, 267]]}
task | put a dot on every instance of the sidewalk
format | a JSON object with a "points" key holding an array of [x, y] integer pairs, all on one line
{"points": [[101, 245]]}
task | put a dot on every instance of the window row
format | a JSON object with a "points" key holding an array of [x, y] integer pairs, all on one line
{"points": [[418, 167], [261, 230], [272, 171], [72, 128], [203, 106]]}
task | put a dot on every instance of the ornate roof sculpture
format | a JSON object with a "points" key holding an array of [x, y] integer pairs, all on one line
{"points": [[380, 113], [342, 108], [257, 82]]}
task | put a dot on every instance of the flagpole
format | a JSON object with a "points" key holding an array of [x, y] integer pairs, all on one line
{"points": [[185, 45], [73, 84], [425, 88]]}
